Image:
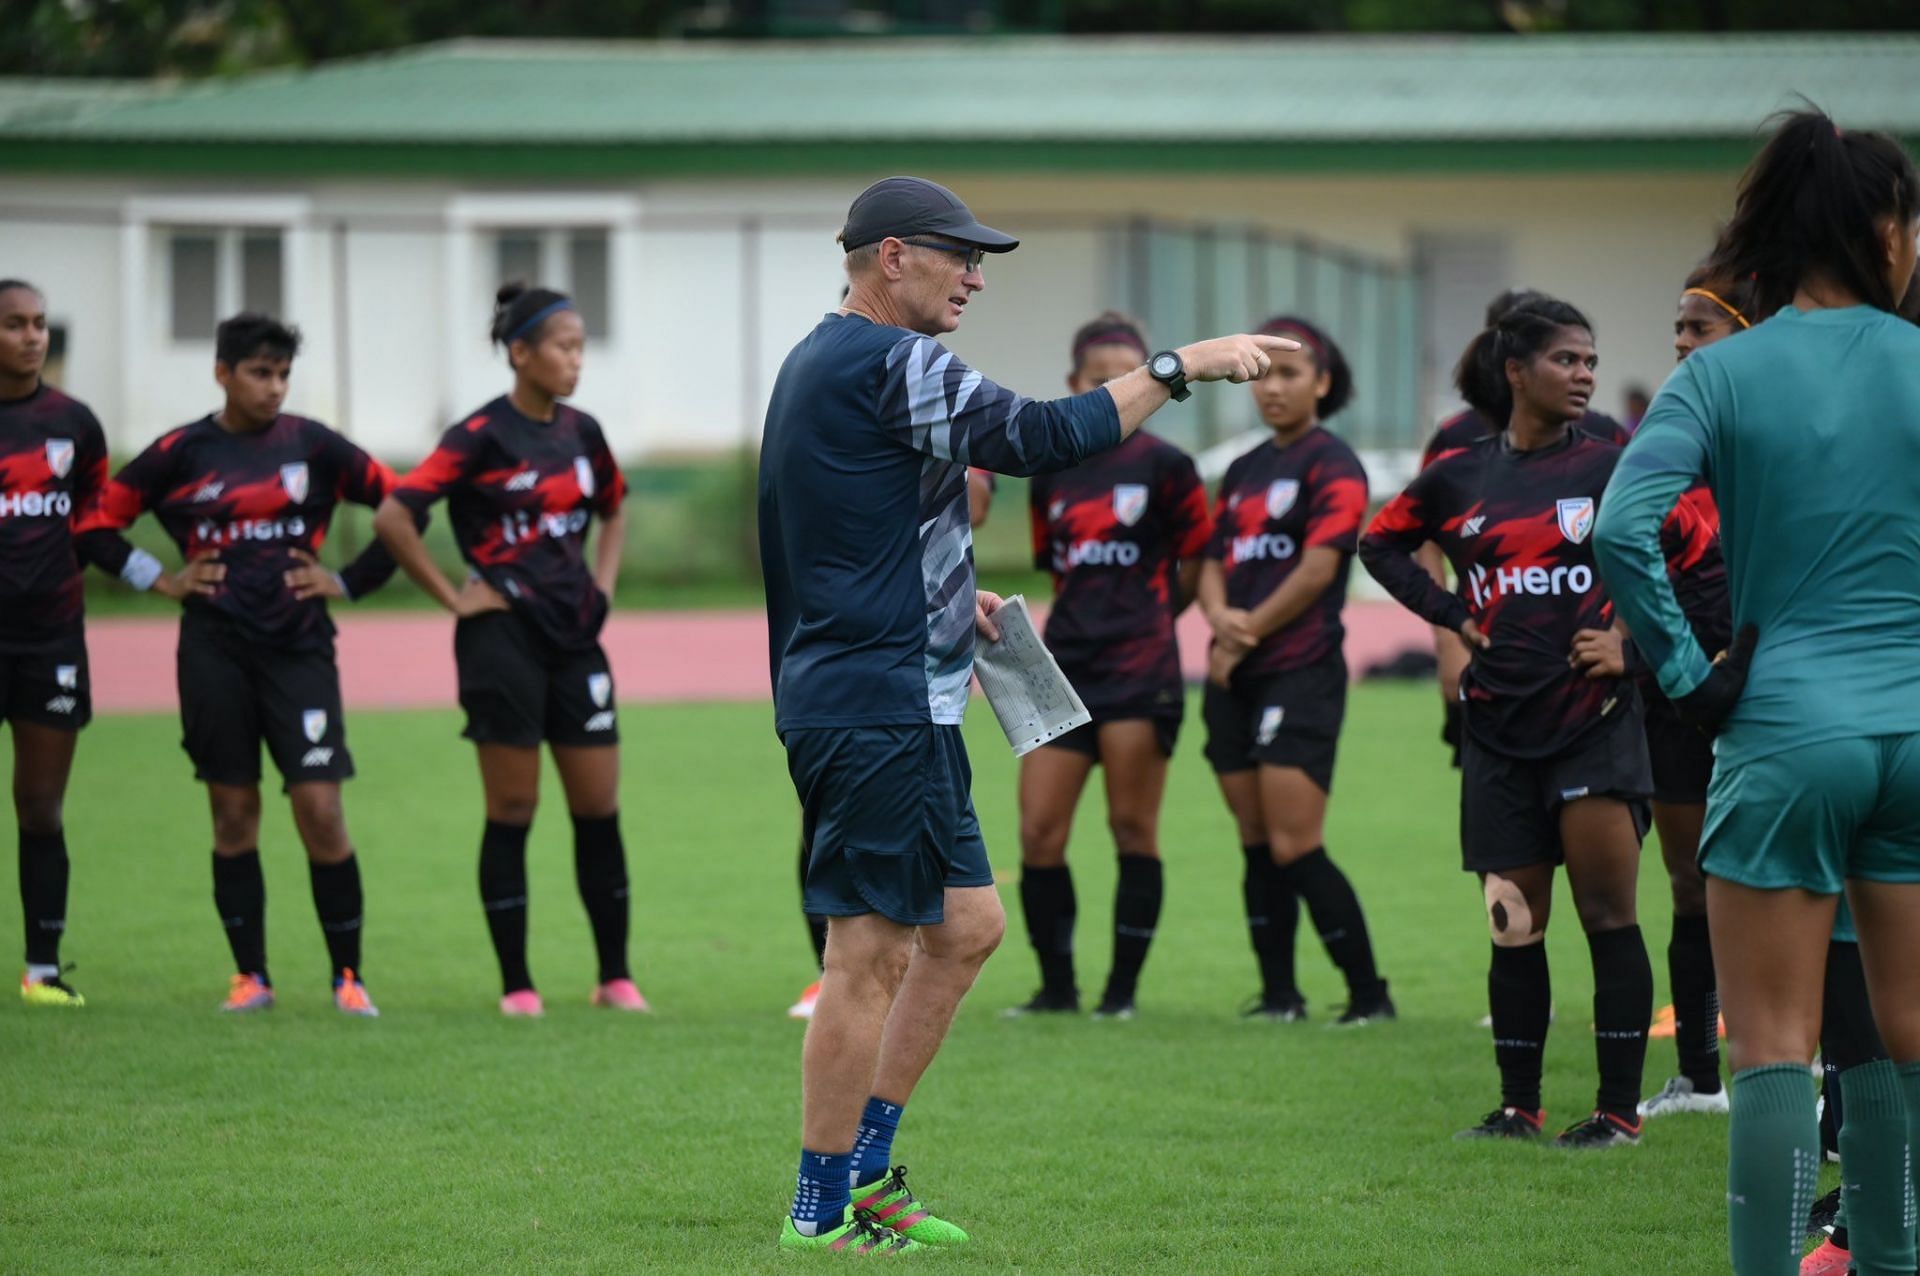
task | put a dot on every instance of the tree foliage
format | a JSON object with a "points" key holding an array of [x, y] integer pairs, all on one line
{"points": [[140, 38]]}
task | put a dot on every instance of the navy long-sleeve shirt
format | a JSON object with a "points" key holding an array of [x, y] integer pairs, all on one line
{"points": [[864, 539]]}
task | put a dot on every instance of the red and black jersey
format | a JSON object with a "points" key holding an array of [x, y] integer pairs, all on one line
{"points": [[1467, 427], [53, 459], [1113, 531], [1276, 503], [1691, 544], [252, 498], [520, 493], [1517, 527]]}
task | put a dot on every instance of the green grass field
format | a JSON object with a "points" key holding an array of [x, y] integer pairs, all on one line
{"points": [[147, 1132]]}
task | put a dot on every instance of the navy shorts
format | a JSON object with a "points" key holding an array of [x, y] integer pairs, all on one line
{"points": [[887, 813]]}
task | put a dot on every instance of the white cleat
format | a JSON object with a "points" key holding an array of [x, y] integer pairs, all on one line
{"points": [[1678, 1095]]}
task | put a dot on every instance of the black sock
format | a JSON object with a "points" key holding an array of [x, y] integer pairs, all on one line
{"points": [[816, 923], [1336, 914], [43, 894], [1136, 912], [1046, 897], [240, 894], [1273, 917], [503, 893], [1696, 1003], [1520, 994], [600, 869], [1622, 1005], [336, 897]]}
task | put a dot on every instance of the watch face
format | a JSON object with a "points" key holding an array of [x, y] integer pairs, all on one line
{"points": [[1166, 365]]}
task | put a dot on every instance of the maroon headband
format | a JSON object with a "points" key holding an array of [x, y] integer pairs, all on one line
{"points": [[1107, 337], [1287, 327]]}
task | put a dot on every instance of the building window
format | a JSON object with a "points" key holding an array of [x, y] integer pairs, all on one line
{"points": [[213, 273], [573, 261]]}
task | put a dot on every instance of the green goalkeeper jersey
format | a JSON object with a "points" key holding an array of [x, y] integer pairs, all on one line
{"points": [[1807, 429]]}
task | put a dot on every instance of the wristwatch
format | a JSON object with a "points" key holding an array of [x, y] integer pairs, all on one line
{"points": [[1167, 369]]}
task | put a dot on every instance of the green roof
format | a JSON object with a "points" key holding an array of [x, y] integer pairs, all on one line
{"points": [[1564, 101]]}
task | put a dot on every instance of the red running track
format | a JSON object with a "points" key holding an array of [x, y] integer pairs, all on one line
{"points": [[405, 661]]}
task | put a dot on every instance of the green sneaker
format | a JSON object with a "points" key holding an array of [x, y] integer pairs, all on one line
{"points": [[890, 1204], [858, 1235]]}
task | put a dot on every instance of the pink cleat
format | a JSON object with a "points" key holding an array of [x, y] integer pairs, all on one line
{"points": [[1828, 1260], [523, 1003], [620, 994]]}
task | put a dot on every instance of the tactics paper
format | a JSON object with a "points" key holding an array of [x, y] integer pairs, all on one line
{"points": [[1032, 698]]}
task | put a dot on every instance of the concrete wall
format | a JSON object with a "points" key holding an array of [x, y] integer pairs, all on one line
{"points": [[713, 282]]}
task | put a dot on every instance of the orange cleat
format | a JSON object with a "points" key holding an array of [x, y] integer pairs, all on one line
{"points": [[246, 994], [350, 997], [803, 1008]]}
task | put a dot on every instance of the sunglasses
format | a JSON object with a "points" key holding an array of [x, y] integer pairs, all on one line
{"points": [[971, 255]]}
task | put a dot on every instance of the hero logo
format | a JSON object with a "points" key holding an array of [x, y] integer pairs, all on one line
{"points": [[60, 456], [1576, 518], [524, 481], [249, 529], [209, 492], [602, 721], [1097, 554], [62, 704], [35, 505], [523, 526], [1528, 580], [1129, 502], [1276, 545]]}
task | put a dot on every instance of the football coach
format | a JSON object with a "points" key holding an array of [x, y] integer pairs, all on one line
{"points": [[871, 615]]}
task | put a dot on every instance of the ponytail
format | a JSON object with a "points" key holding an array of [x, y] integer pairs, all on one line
{"points": [[1807, 205], [1521, 333], [520, 312]]}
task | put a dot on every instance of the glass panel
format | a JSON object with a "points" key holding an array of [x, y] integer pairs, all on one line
{"points": [[261, 273], [517, 258], [587, 269], [191, 259]]}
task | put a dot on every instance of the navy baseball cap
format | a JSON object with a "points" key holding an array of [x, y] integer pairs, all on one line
{"points": [[896, 207]]}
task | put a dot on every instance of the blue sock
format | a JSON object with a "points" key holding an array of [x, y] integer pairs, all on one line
{"points": [[820, 1195], [873, 1146]]}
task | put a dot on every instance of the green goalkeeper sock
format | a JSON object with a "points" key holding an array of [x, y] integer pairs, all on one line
{"points": [[1773, 1165], [1876, 1187]]}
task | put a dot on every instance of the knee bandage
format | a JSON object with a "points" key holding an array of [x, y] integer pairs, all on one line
{"points": [[1508, 917]]}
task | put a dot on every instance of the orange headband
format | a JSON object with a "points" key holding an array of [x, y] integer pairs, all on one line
{"points": [[1702, 292]]}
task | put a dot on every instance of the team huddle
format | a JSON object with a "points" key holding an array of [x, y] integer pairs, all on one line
{"points": [[1596, 628]]}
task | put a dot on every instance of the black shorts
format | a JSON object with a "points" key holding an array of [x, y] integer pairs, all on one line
{"points": [[519, 689], [1452, 728], [887, 819], [48, 687], [236, 692], [1510, 807], [1085, 740], [1682, 755], [1288, 719]]}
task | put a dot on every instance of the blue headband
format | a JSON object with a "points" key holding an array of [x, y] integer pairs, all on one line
{"points": [[537, 318]]}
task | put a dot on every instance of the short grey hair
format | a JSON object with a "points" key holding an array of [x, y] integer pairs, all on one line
{"points": [[861, 259]]}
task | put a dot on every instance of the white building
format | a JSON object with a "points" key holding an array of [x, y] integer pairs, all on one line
{"points": [[688, 196]]}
